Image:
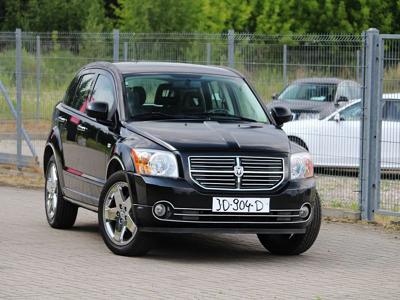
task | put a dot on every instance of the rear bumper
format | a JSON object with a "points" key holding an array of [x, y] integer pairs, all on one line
{"points": [[191, 207]]}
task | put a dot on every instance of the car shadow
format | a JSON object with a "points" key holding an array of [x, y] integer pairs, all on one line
{"points": [[200, 248], [86, 227]]}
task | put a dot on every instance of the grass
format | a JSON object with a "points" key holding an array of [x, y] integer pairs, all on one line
{"points": [[337, 203], [58, 66]]}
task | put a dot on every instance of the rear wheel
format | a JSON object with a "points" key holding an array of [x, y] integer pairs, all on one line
{"points": [[117, 224], [60, 213], [294, 244]]}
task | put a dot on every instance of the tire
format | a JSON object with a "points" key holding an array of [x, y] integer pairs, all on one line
{"points": [[116, 221], [285, 244], [60, 213]]}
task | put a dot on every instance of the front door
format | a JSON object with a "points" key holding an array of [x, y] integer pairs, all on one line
{"points": [[95, 140]]}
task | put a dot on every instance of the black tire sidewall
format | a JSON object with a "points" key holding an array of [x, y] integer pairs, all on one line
{"points": [[139, 244], [52, 221]]}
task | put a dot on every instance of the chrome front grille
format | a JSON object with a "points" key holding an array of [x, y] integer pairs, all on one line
{"points": [[236, 172]]}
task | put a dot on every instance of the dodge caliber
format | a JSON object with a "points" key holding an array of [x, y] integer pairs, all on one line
{"points": [[177, 148]]}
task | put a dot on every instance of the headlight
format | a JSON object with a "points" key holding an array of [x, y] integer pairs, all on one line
{"points": [[155, 162], [301, 165]]}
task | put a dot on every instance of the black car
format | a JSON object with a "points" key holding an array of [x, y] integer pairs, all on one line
{"points": [[177, 148], [316, 98]]}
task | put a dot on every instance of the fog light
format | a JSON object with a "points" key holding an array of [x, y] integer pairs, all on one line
{"points": [[304, 211], [160, 210]]}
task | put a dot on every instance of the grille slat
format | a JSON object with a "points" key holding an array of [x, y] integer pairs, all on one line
{"points": [[259, 173]]}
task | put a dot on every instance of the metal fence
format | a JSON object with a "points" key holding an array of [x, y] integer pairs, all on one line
{"points": [[35, 69]]}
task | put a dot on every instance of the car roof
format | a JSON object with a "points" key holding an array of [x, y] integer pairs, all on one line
{"points": [[331, 80], [167, 68]]}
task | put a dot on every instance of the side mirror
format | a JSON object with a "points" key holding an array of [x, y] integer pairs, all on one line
{"points": [[281, 115], [337, 118], [97, 110], [275, 96], [342, 99]]}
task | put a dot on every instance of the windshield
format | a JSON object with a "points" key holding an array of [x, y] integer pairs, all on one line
{"points": [[309, 91], [191, 96]]}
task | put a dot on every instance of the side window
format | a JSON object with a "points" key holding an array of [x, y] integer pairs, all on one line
{"points": [[69, 95], [391, 111], [103, 91], [81, 98], [351, 113], [343, 90]]}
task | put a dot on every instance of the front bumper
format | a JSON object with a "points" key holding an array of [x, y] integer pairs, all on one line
{"points": [[192, 207]]}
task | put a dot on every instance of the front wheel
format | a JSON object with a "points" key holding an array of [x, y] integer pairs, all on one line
{"points": [[294, 244], [116, 221]]}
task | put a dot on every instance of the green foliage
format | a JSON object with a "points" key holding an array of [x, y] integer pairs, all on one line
{"points": [[263, 16], [49, 15]]}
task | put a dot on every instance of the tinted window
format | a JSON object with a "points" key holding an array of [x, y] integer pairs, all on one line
{"points": [[103, 91], [81, 99], [309, 91], [192, 96], [351, 113], [391, 110], [69, 95]]}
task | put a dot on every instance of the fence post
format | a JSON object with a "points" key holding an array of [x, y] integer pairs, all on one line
{"points": [[116, 45], [231, 48], [18, 85], [125, 51], [37, 76], [371, 125], [208, 53], [358, 66], [285, 81]]}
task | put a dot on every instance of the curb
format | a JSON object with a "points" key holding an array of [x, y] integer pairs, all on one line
{"points": [[341, 213]]}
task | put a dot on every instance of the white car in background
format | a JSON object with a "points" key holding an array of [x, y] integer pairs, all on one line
{"points": [[334, 141]]}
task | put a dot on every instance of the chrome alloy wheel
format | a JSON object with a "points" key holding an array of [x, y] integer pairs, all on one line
{"points": [[51, 191], [117, 219]]}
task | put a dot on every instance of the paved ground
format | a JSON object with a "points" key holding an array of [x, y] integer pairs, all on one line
{"points": [[347, 262]]}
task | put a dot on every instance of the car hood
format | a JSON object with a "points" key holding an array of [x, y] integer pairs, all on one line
{"points": [[304, 106], [213, 136]]}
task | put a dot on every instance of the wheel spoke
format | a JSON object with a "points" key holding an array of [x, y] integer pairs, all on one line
{"points": [[111, 213], [128, 204], [54, 203], [130, 224], [119, 233], [119, 196], [54, 174]]}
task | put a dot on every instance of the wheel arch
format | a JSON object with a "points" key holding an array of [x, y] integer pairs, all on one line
{"points": [[298, 141], [115, 164], [53, 147]]}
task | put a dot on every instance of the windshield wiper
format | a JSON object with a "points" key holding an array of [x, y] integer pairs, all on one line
{"points": [[225, 116], [161, 116], [153, 116]]}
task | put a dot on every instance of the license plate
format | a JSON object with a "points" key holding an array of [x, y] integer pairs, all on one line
{"points": [[242, 205]]}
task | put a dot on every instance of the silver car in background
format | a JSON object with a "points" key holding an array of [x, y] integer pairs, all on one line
{"points": [[316, 98]]}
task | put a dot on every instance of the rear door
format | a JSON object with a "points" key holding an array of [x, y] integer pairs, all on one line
{"points": [[71, 115]]}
